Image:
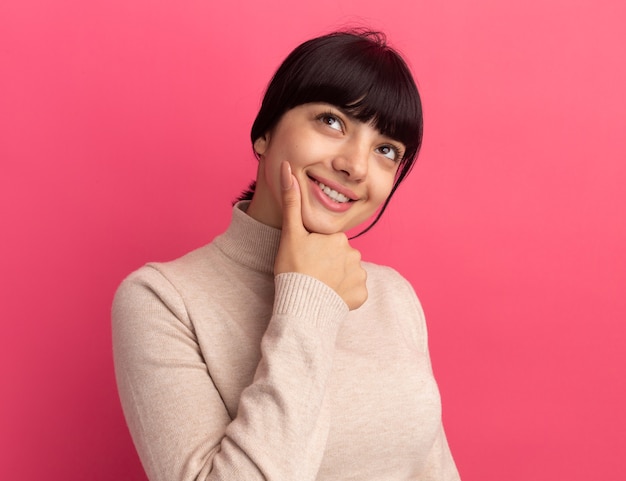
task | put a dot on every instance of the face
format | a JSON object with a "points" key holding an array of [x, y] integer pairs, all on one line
{"points": [[345, 168]]}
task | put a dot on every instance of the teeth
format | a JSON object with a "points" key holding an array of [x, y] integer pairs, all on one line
{"points": [[333, 194]]}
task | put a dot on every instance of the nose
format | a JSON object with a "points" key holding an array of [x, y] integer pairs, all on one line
{"points": [[353, 160]]}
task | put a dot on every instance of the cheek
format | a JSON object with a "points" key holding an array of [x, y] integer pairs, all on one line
{"points": [[384, 186], [268, 179]]}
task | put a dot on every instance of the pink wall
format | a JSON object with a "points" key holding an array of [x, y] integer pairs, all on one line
{"points": [[123, 138]]}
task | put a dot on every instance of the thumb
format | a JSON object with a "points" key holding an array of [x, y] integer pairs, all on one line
{"points": [[292, 207]]}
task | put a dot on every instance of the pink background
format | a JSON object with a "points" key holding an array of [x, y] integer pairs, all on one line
{"points": [[124, 136]]}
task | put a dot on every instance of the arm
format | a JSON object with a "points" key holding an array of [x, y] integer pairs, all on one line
{"points": [[176, 416]]}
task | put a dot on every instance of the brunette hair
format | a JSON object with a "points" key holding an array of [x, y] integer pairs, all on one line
{"points": [[358, 72]]}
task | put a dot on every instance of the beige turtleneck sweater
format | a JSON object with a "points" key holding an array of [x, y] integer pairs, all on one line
{"points": [[226, 372]]}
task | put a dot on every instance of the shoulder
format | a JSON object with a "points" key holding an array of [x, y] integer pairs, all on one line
{"points": [[158, 284], [170, 276], [391, 293], [387, 280], [382, 271], [142, 294]]}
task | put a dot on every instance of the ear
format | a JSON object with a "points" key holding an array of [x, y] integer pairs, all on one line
{"points": [[260, 144]]}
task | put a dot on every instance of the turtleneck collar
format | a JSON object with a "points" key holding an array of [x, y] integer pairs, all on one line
{"points": [[248, 241]]}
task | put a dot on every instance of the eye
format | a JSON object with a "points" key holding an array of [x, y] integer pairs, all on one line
{"points": [[389, 151], [331, 120]]}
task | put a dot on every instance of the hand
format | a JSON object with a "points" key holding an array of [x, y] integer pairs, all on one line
{"points": [[328, 258]]}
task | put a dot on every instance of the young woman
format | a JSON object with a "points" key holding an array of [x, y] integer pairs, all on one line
{"points": [[273, 352]]}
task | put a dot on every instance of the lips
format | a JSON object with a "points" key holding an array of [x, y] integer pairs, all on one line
{"points": [[334, 190], [333, 194]]}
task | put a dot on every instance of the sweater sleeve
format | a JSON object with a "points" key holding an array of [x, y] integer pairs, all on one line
{"points": [[178, 421]]}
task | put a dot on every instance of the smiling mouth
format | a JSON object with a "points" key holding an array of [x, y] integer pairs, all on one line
{"points": [[332, 194]]}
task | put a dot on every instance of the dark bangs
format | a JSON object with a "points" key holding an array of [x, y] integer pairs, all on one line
{"points": [[357, 72]]}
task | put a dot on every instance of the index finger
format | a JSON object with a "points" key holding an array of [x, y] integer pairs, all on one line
{"points": [[291, 200]]}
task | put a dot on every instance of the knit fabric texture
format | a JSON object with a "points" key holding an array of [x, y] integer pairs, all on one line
{"points": [[227, 372]]}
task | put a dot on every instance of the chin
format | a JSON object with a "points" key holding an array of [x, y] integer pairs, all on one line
{"points": [[326, 228], [324, 223], [317, 229]]}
